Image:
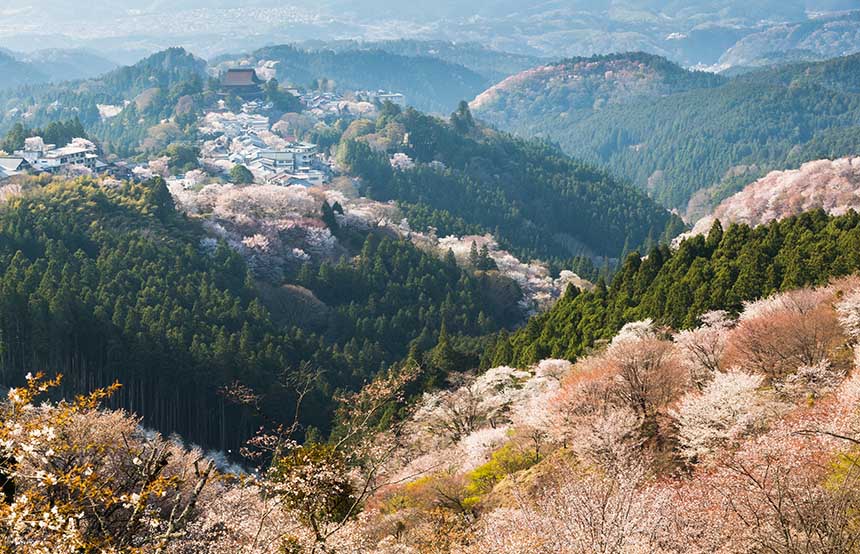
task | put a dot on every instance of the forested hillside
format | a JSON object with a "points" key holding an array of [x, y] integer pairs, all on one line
{"points": [[147, 93], [653, 426], [493, 65], [466, 179], [107, 283], [430, 84], [257, 305], [16, 73], [576, 88], [724, 137], [67, 64], [830, 185], [715, 272]]}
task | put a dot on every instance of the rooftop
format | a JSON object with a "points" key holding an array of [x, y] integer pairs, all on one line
{"points": [[240, 78], [69, 150], [9, 163]]}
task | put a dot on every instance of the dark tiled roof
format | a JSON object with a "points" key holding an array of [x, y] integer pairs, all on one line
{"points": [[240, 78]]}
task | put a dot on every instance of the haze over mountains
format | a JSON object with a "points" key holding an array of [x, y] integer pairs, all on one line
{"points": [[682, 135], [43, 66], [690, 33], [461, 277]]}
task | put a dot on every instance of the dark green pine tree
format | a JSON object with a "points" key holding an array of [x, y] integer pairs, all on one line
{"points": [[329, 218], [504, 352], [474, 258], [450, 258], [485, 262], [443, 358], [462, 119], [159, 199], [715, 235]]}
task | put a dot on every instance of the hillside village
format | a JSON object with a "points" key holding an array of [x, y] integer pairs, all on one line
{"points": [[238, 130]]}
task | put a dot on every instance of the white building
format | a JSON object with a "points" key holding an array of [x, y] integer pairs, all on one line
{"points": [[393, 97], [309, 178], [298, 156], [79, 153]]}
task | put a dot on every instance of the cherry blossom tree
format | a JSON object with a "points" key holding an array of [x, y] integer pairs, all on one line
{"points": [[780, 334], [78, 479], [729, 407], [586, 512], [702, 349]]}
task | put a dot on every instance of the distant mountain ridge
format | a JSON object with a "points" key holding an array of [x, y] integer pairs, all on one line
{"points": [[16, 73], [51, 65], [493, 64], [711, 134], [68, 65], [579, 86], [429, 84], [822, 37]]}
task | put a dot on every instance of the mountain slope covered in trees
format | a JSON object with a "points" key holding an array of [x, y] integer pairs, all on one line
{"points": [[430, 84], [642, 439], [493, 65], [576, 88], [723, 137], [715, 272], [110, 283], [466, 179], [147, 93], [16, 73], [831, 185]]}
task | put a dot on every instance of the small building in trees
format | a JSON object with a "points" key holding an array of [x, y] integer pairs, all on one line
{"points": [[11, 166], [79, 153], [242, 82]]}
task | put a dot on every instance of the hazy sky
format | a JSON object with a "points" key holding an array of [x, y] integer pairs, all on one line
{"points": [[128, 28]]}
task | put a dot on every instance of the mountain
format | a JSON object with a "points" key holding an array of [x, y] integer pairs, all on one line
{"points": [[638, 420], [429, 84], [67, 65], [16, 73], [576, 88], [45, 66], [493, 65], [826, 36], [465, 179], [829, 185], [145, 94], [717, 137], [719, 271], [111, 282], [690, 33]]}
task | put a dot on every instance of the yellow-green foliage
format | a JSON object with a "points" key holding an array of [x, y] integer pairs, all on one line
{"points": [[505, 461], [407, 496], [439, 490], [845, 468]]}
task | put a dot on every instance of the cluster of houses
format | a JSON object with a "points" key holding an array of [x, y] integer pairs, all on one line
{"points": [[80, 156], [357, 103], [229, 139], [246, 139]]}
